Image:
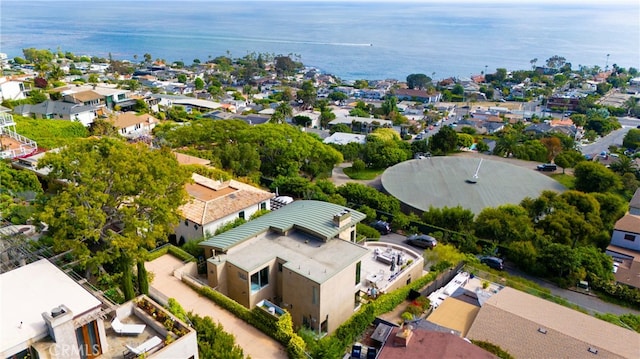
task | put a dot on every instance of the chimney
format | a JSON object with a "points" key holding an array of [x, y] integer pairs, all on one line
{"points": [[403, 336], [342, 218], [60, 325]]}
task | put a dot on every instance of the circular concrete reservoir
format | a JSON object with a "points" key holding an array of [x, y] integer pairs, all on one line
{"points": [[450, 182]]}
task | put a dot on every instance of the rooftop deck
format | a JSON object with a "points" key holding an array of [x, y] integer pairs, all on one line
{"points": [[155, 326], [378, 272]]}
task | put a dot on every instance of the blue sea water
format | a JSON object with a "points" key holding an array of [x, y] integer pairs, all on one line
{"points": [[353, 40]]}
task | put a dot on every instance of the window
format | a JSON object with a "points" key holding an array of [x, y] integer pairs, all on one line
{"points": [[629, 237], [358, 268], [260, 279], [88, 341], [241, 214], [314, 296], [324, 326], [263, 206]]}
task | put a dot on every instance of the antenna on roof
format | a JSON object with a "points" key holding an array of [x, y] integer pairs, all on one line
{"points": [[474, 179]]}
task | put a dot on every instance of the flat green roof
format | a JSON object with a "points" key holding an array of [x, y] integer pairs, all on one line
{"points": [[313, 217]]}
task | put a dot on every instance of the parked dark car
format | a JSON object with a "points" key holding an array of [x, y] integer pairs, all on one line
{"points": [[493, 262], [422, 241], [382, 227], [547, 167]]}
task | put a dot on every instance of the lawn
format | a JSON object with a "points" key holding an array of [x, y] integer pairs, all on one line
{"points": [[565, 179], [366, 174]]}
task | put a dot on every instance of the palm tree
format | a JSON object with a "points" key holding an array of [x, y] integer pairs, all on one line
{"points": [[631, 104], [56, 73], [281, 113], [624, 165]]}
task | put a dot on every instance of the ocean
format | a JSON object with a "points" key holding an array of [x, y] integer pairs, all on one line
{"points": [[353, 40]]}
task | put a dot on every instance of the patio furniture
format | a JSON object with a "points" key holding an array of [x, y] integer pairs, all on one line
{"points": [[385, 258], [127, 329], [146, 346]]}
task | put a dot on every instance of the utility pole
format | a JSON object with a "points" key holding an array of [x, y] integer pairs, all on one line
{"points": [[606, 66]]}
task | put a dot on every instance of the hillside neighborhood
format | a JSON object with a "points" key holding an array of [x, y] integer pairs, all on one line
{"points": [[129, 191]]}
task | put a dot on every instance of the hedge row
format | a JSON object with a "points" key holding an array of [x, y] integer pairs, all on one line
{"points": [[212, 339], [175, 251], [181, 254], [157, 253], [280, 329]]}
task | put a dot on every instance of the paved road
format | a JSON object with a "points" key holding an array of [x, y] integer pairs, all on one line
{"points": [[614, 138], [590, 302]]}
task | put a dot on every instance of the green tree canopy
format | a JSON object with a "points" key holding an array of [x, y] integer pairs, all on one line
{"points": [[341, 127], [595, 177], [119, 201], [632, 139], [568, 159], [418, 81], [307, 94], [445, 141], [506, 223], [453, 218], [199, 83]]}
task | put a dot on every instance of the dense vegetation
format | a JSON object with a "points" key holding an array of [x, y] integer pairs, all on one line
{"points": [[50, 134], [116, 208], [18, 189], [269, 150]]}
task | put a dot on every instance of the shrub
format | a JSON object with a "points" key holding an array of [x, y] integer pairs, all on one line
{"points": [[406, 316], [193, 248], [423, 302], [414, 309], [358, 165], [367, 231], [176, 309]]}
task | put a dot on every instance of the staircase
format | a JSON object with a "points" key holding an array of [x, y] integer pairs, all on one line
{"points": [[13, 145]]}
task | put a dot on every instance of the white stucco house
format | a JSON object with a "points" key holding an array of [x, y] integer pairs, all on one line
{"points": [[45, 313], [132, 125], [11, 90], [215, 203]]}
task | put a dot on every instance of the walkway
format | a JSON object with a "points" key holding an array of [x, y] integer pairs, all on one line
{"points": [[253, 342]]}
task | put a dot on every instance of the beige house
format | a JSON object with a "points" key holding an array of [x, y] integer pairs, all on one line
{"points": [[301, 257], [44, 313], [132, 125], [215, 203], [530, 327]]}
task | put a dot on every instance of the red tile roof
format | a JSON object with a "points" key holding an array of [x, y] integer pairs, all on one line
{"points": [[426, 344]]}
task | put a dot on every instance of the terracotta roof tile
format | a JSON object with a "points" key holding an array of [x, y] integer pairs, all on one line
{"points": [[212, 200]]}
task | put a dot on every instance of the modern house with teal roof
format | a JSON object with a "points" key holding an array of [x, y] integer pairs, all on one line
{"points": [[302, 258]]}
